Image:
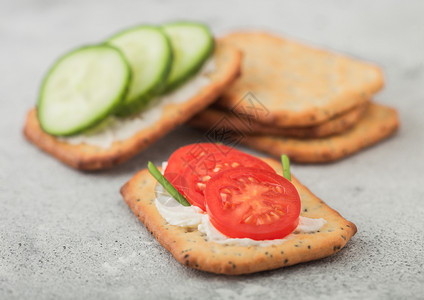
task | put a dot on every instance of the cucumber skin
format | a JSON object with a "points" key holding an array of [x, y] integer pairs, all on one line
{"points": [[174, 85], [135, 106], [96, 121]]}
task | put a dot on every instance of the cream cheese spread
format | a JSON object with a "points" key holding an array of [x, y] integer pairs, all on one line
{"points": [[192, 216], [118, 129]]}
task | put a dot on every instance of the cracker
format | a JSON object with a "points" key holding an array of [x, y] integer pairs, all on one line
{"points": [[378, 123], [215, 119], [191, 249], [89, 157], [297, 85]]}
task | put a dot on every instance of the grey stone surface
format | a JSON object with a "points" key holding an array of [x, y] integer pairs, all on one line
{"points": [[66, 234]]}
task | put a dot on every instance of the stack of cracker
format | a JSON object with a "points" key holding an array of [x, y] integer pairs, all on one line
{"points": [[311, 104]]}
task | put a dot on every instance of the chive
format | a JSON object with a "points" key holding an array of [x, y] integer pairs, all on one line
{"points": [[285, 161], [166, 184]]}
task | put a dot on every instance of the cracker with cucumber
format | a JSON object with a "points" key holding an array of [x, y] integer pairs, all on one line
{"points": [[254, 217], [100, 105]]}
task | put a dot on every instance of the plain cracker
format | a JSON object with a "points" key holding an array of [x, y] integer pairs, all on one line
{"points": [[378, 123], [297, 84], [89, 157], [215, 119], [190, 248]]}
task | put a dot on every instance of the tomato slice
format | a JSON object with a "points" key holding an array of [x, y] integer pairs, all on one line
{"points": [[182, 157], [252, 203], [198, 172]]}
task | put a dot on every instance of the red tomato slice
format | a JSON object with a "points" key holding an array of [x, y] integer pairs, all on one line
{"points": [[182, 157], [252, 203], [198, 173]]}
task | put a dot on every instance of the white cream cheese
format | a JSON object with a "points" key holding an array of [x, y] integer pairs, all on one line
{"points": [[191, 216], [118, 129], [175, 213], [308, 225]]}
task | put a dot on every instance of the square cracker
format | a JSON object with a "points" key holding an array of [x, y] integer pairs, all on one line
{"points": [[298, 85], [190, 247], [378, 123], [224, 120], [89, 157]]}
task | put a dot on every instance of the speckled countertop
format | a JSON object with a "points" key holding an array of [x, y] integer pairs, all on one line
{"points": [[67, 234]]}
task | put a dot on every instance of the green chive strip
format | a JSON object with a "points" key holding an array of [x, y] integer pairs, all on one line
{"points": [[285, 161], [166, 184]]}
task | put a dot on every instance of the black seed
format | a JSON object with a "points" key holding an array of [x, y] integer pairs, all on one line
{"points": [[282, 252], [286, 261], [309, 246], [297, 246], [186, 256], [343, 237], [138, 200], [187, 263], [347, 226], [266, 253], [305, 210], [234, 266], [196, 265], [341, 228], [229, 262]]}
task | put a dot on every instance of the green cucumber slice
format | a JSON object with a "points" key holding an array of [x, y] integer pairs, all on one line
{"points": [[149, 54], [192, 44], [82, 88]]}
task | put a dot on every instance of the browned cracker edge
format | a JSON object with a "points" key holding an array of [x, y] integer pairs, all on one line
{"points": [[364, 134], [215, 119]]}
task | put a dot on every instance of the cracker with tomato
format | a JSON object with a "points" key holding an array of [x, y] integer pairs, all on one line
{"points": [[227, 194]]}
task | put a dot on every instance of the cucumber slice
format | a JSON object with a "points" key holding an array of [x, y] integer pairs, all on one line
{"points": [[192, 44], [149, 54], [82, 88]]}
